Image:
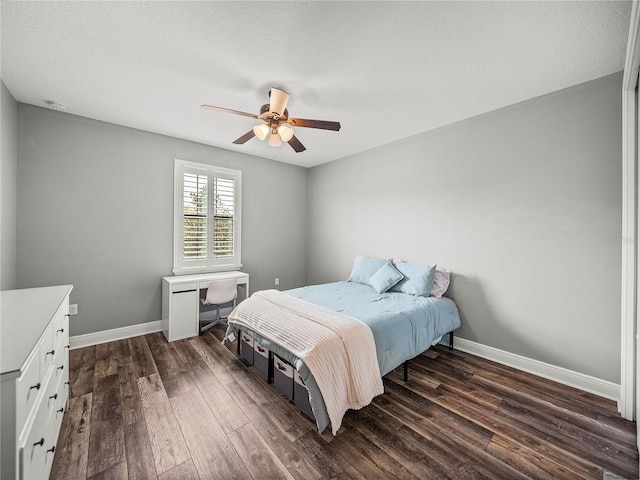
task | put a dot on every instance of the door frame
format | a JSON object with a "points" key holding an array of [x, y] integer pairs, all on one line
{"points": [[629, 399]]}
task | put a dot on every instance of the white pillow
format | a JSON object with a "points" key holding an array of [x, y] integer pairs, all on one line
{"points": [[440, 282]]}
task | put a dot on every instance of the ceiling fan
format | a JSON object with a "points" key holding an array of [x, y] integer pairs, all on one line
{"points": [[277, 124]]}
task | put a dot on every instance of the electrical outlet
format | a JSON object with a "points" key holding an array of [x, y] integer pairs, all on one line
{"points": [[73, 309], [277, 282]]}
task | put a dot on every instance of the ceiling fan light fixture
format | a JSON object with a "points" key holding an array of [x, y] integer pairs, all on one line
{"points": [[261, 131], [277, 124], [285, 132], [274, 140], [278, 101]]}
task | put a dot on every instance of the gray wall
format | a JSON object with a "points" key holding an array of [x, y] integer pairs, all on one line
{"points": [[8, 185], [95, 209], [524, 206]]}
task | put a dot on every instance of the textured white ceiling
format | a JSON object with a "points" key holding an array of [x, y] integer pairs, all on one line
{"points": [[386, 70]]}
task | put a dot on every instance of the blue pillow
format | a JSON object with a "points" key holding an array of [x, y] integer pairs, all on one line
{"points": [[385, 278], [363, 268], [418, 279]]}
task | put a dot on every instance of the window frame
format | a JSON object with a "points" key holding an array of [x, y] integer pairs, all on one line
{"points": [[182, 266]]}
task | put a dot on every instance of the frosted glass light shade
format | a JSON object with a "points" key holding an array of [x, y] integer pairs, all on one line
{"points": [[261, 131], [274, 140], [285, 132]]}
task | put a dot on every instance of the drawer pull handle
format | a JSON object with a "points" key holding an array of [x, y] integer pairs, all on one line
{"points": [[67, 382], [36, 386], [54, 396], [60, 410], [40, 443], [261, 350], [60, 331], [52, 449], [61, 367], [280, 367], [67, 315], [67, 346], [52, 352]]}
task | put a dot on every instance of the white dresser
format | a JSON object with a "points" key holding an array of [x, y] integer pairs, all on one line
{"points": [[34, 367]]}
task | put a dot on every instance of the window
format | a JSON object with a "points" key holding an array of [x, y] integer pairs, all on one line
{"points": [[207, 218]]}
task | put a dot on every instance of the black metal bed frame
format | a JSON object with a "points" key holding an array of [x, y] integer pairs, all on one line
{"points": [[406, 363]]}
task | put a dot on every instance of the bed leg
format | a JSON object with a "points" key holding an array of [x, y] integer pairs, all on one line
{"points": [[270, 368], [406, 371], [451, 340]]}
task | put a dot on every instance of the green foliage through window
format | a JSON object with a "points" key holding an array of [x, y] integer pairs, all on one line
{"points": [[198, 230]]}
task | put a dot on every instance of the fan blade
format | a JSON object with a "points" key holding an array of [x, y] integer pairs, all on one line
{"points": [[296, 145], [278, 101], [228, 110], [323, 124], [247, 136]]}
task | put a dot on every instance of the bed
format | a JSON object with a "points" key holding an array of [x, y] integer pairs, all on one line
{"points": [[402, 326]]}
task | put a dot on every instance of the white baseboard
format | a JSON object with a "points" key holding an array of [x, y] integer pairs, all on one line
{"points": [[89, 339], [562, 375]]}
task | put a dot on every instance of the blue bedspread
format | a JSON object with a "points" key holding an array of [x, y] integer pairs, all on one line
{"points": [[403, 327]]}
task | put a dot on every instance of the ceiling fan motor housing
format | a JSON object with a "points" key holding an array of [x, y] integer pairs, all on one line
{"points": [[266, 113]]}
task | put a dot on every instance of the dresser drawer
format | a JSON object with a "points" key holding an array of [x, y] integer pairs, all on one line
{"points": [[38, 449], [61, 349], [62, 390], [60, 367], [60, 330], [60, 407], [50, 397], [28, 387], [46, 351]]}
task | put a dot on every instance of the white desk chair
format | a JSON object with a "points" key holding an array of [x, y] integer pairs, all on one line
{"points": [[219, 293]]}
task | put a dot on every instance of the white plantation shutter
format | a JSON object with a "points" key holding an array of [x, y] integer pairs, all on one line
{"points": [[195, 215], [207, 212], [224, 189]]}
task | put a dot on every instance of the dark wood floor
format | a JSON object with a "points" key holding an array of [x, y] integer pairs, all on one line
{"points": [[146, 408]]}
